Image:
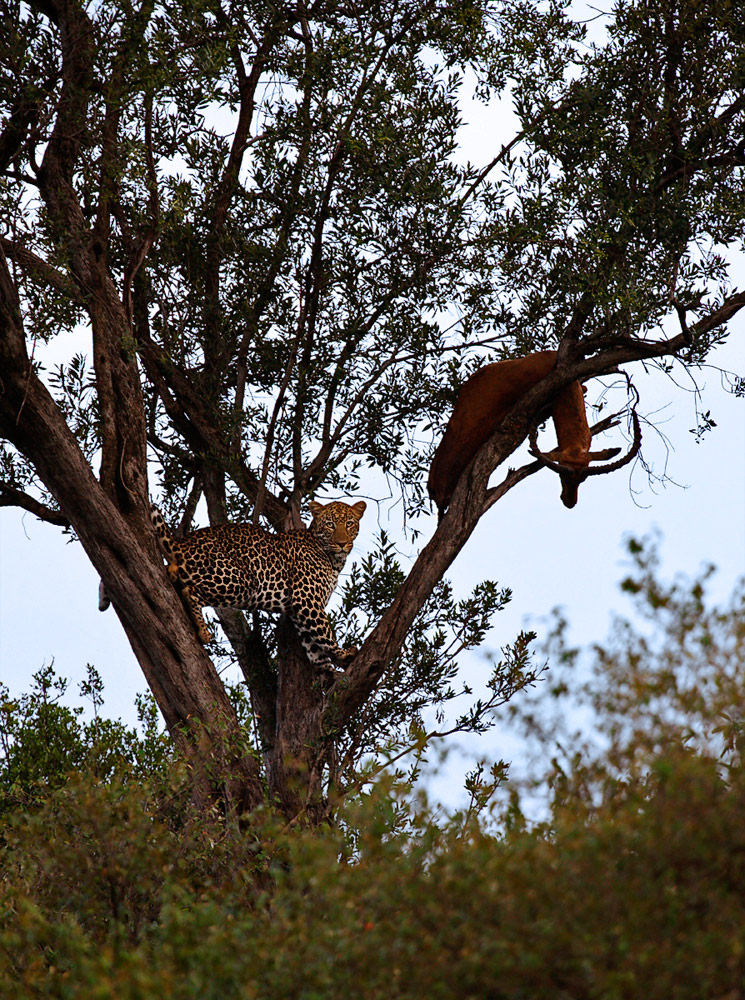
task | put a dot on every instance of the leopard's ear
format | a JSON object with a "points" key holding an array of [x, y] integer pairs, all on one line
{"points": [[315, 508], [359, 508]]}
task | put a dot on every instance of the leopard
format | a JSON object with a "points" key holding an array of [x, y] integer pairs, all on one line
{"points": [[247, 567]]}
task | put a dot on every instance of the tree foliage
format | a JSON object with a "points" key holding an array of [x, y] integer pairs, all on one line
{"points": [[259, 216], [43, 739], [669, 681]]}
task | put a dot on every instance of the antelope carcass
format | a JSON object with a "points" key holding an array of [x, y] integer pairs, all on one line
{"points": [[485, 400], [572, 456]]}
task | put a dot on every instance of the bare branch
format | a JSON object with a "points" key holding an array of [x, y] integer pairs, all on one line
{"points": [[313, 277], [10, 496], [330, 438], [278, 403], [513, 477], [606, 423]]}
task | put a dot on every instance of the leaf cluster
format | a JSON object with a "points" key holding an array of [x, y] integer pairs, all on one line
{"points": [[422, 681], [43, 739], [669, 680]]}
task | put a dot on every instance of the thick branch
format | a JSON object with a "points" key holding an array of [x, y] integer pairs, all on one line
{"points": [[122, 422], [60, 157]]}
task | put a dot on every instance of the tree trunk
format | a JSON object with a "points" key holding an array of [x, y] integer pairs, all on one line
{"points": [[295, 764]]}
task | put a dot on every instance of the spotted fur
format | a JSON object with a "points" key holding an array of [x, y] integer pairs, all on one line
{"points": [[244, 566]]}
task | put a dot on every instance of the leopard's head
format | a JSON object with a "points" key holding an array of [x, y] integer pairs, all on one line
{"points": [[335, 526]]}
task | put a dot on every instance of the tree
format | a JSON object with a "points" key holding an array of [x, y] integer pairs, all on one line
{"points": [[255, 211]]}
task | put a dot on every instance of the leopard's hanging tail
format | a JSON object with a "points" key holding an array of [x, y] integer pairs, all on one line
{"points": [[163, 532]]}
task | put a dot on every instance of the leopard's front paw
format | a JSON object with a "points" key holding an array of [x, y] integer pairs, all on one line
{"points": [[345, 656]]}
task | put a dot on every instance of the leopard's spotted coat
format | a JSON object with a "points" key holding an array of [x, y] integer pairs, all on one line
{"points": [[244, 566]]}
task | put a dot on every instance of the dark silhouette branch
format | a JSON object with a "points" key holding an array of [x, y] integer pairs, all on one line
{"points": [[10, 496]]}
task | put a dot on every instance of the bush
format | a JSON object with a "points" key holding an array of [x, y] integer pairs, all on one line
{"points": [[113, 885], [105, 896], [43, 740]]}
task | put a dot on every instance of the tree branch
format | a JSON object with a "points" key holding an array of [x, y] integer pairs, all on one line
{"points": [[190, 415], [24, 113], [247, 84], [10, 496], [146, 239], [314, 271], [61, 154], [513, 477], [39, 270]]}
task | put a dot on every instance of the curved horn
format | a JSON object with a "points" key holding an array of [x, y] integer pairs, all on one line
{"points": [[535, 451], [632, 453]]}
